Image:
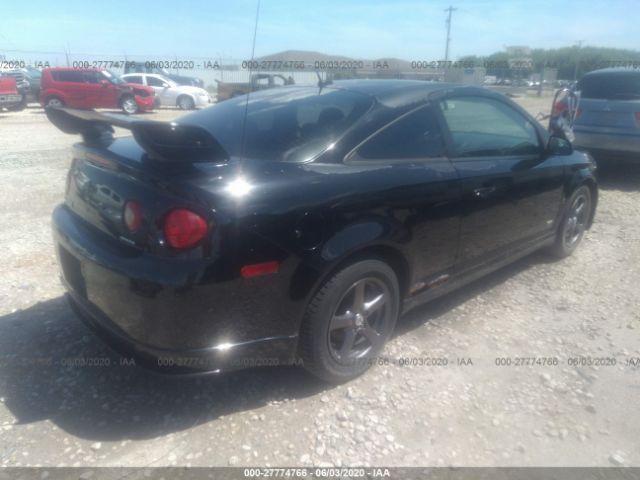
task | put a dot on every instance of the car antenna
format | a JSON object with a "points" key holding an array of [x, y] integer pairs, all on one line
{"points": [[246, 103]]}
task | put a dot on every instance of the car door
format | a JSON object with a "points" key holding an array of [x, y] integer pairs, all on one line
{"points": [[92, 89], [109, 92], [71, 83], [511, 188], [425, 196], [165, 93]]}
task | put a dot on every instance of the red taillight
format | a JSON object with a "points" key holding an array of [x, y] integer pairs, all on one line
{"points": [[132, 215], [257, 269], [184, 228], [559, 107], [637, 115], [578, 112]]}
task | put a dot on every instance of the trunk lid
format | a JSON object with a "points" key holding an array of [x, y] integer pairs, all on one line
{"points": [[102, 180], [155, 168], [613, 115]]}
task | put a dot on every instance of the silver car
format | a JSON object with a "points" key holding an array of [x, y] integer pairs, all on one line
{"points": [[608, 118], [169, 93]]}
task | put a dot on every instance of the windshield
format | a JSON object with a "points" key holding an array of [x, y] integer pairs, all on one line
{"points": [[113, 78], [617, 86], [291, 124]]}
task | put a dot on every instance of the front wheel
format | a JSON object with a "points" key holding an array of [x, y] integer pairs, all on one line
{"points": [[186, 103], [129, 105], [349, 320], [574, 223]]}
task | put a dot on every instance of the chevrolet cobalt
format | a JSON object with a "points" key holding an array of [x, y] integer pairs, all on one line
{"points": [[296, 224]]}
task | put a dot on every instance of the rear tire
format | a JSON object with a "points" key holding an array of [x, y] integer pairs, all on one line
{"points": [[54, 102], [20, 106], [574, 223], [349, 320], [185, 102]]}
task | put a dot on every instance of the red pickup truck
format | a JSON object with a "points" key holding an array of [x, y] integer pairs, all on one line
{"points": [[9, 96]]}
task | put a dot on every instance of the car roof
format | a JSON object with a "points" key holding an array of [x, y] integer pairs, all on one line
{"points": [[613, 71], [137, 74], [379, 87], [397, 93], [75, 69]]}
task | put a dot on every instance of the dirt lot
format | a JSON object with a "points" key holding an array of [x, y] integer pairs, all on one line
{"points": [[469, 412]]}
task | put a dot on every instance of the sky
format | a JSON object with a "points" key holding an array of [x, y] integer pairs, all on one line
{"points": [[413, 30]]}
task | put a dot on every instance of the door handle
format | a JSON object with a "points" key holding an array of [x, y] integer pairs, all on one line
{"points": [[483, 192]]}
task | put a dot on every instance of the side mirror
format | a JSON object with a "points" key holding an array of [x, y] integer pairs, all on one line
{"points": [[104, 83], [559, 146], [165, 85]]}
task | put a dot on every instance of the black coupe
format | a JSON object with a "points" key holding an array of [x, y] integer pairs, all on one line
{"points": [[297, 224]]}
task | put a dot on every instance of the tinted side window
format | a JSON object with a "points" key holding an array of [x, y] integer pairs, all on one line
{"points": [[622, 86], [486, 127], [68, 76], [134, 79], [416, 135], [90, 77], [154, 82]]}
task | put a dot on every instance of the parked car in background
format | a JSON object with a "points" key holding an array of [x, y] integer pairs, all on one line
{"points": [[93, 88], [33, 76], [299, 225], [607, 123], [10, 98], [22, 85], [149, 67], [169, 93], [259, 81], [490, 80], [28, 83]]}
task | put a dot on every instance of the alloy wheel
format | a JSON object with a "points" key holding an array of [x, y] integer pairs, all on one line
{"points": [[54, 102], [186, 103], [576, 222], [360, 322], [129, 105]]}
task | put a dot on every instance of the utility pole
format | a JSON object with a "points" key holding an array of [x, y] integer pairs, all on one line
{"points": [[575, 70], [446, 50], [66, 53]]}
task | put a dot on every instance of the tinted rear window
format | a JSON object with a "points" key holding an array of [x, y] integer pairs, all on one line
{"points": [[291, 125], [68, 76], [611, 87]]}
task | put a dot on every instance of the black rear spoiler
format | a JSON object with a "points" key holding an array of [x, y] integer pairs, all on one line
{"points": [[166, 141]]}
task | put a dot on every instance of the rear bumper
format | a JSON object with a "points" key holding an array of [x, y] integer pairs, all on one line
{"points": [[163, 313], [257, 353], [617, 144], [10, 100]]}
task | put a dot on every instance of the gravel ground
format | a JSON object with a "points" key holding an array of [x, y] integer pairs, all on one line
{"points": [[469, 412]]}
